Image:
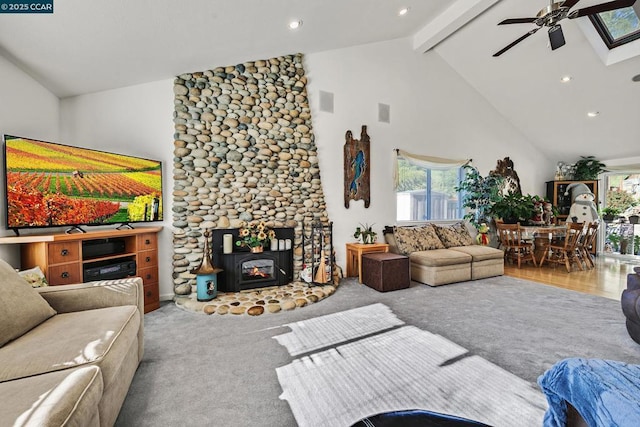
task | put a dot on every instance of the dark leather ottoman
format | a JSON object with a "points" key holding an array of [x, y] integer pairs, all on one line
{"points": [[384, 271]]}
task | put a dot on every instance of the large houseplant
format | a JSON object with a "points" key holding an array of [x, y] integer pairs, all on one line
{"points": [[514, 208], [587, 168], [479, 194]]}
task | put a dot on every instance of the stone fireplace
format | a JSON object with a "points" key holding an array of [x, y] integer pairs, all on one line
{"points": [[244, 150]]}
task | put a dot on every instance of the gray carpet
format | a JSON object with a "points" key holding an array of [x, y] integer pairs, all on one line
{"points": [[204, 370]]}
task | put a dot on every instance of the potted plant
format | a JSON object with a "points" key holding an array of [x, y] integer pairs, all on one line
{"points": [[609, 213], [614, 239], [366, 233], [479, 194], [514, 208], [587, 168]]}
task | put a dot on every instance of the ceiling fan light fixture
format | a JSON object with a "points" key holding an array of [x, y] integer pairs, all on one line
{"points": [[555, 12], [295, 24]]}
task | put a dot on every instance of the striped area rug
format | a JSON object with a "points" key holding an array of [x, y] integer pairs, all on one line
{"points": [[404, 368]]}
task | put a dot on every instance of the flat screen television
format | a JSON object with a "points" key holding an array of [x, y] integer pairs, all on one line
{"points": [[54, 185]]}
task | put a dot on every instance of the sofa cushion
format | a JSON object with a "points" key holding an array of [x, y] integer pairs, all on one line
{"points": [[419, 238], [479, 252], [21, 307], [101, 337], [454, 235], [63, 398], [440, 257]]}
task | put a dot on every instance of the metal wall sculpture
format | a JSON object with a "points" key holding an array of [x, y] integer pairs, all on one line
{"points": [[357, 165]]}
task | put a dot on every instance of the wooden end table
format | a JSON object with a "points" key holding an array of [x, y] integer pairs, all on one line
{"points": [[354, 256]]}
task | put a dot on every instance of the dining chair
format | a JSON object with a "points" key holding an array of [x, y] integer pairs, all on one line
{"points": [[516, 247], [565, 252], [587, 244]]}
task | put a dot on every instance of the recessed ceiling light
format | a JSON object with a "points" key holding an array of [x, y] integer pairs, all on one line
{"points": [[593, 113], [566, 79], [294, 25], [403, 11]]}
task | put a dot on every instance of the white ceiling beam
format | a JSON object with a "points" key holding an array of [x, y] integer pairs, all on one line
{"points": [[445, 24]]}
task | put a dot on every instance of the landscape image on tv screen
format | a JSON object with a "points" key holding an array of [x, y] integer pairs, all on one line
{"points": [[50, 184]]}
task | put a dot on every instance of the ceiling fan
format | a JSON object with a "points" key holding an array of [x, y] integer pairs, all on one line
{"points": [[551, 15]]}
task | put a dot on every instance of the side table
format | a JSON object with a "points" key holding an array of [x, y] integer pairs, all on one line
{"points": [[354, 256]]}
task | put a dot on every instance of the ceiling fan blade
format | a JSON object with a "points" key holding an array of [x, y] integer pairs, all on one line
{"points": [[512, 44], [517, 21], [556, 37], [570, 3], [599, 8]]}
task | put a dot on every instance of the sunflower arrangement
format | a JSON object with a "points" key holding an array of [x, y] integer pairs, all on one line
{"points": [[254, 234]]}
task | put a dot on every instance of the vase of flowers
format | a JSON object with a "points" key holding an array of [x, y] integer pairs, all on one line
{"points": [[254, 236]]}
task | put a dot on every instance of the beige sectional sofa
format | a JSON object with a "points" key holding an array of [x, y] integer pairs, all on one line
{"points": [[442, 254], [67, 353]]}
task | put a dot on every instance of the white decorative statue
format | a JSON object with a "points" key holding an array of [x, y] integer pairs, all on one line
{"points": [[583, 208]]}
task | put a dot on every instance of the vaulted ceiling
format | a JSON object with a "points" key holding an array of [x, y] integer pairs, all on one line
{"points": [[87, 46]]}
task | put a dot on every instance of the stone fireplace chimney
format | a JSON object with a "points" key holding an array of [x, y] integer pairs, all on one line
{"points": [[244, 150]]}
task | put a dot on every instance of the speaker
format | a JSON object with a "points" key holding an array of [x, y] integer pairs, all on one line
{"points": [[384, 113], [326, 101]]}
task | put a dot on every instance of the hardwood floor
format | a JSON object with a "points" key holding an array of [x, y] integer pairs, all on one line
{"points": [[608, 279]]}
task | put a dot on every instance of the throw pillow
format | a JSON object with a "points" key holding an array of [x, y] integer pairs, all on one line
{"points": [[34, 276], [404, 239], [414, 239], [21, 307], [454, 235]]}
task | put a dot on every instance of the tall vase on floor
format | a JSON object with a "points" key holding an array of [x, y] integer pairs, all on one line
{"points": [[207, 274]]}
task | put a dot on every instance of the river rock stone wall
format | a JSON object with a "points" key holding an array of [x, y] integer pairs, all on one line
{"points": [[244, 150]]}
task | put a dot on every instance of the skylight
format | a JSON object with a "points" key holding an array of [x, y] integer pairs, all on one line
{"points": [[617, 27]]}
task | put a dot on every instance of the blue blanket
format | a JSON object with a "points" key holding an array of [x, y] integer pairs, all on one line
{"points": [[604, 392]]}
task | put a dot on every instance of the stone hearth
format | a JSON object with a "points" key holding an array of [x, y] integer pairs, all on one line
{"points": [[256, 302]]}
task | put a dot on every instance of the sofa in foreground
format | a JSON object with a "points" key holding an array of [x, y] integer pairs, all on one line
{"points": [[631, 304], [67, 353], [443, 254]]}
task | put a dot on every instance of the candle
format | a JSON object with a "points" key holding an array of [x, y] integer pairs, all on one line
{"points": [[287, 244], [281, 244], [227, 243], [274, 244]]}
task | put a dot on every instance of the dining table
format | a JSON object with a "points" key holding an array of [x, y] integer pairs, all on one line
{"points": [[542, 236]]}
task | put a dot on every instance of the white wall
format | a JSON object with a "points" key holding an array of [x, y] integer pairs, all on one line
{"points": [[137, 121], [26, 109], [433, 111]]}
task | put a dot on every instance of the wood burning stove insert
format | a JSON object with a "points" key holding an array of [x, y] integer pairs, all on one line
{"points": [[244, 270]]}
